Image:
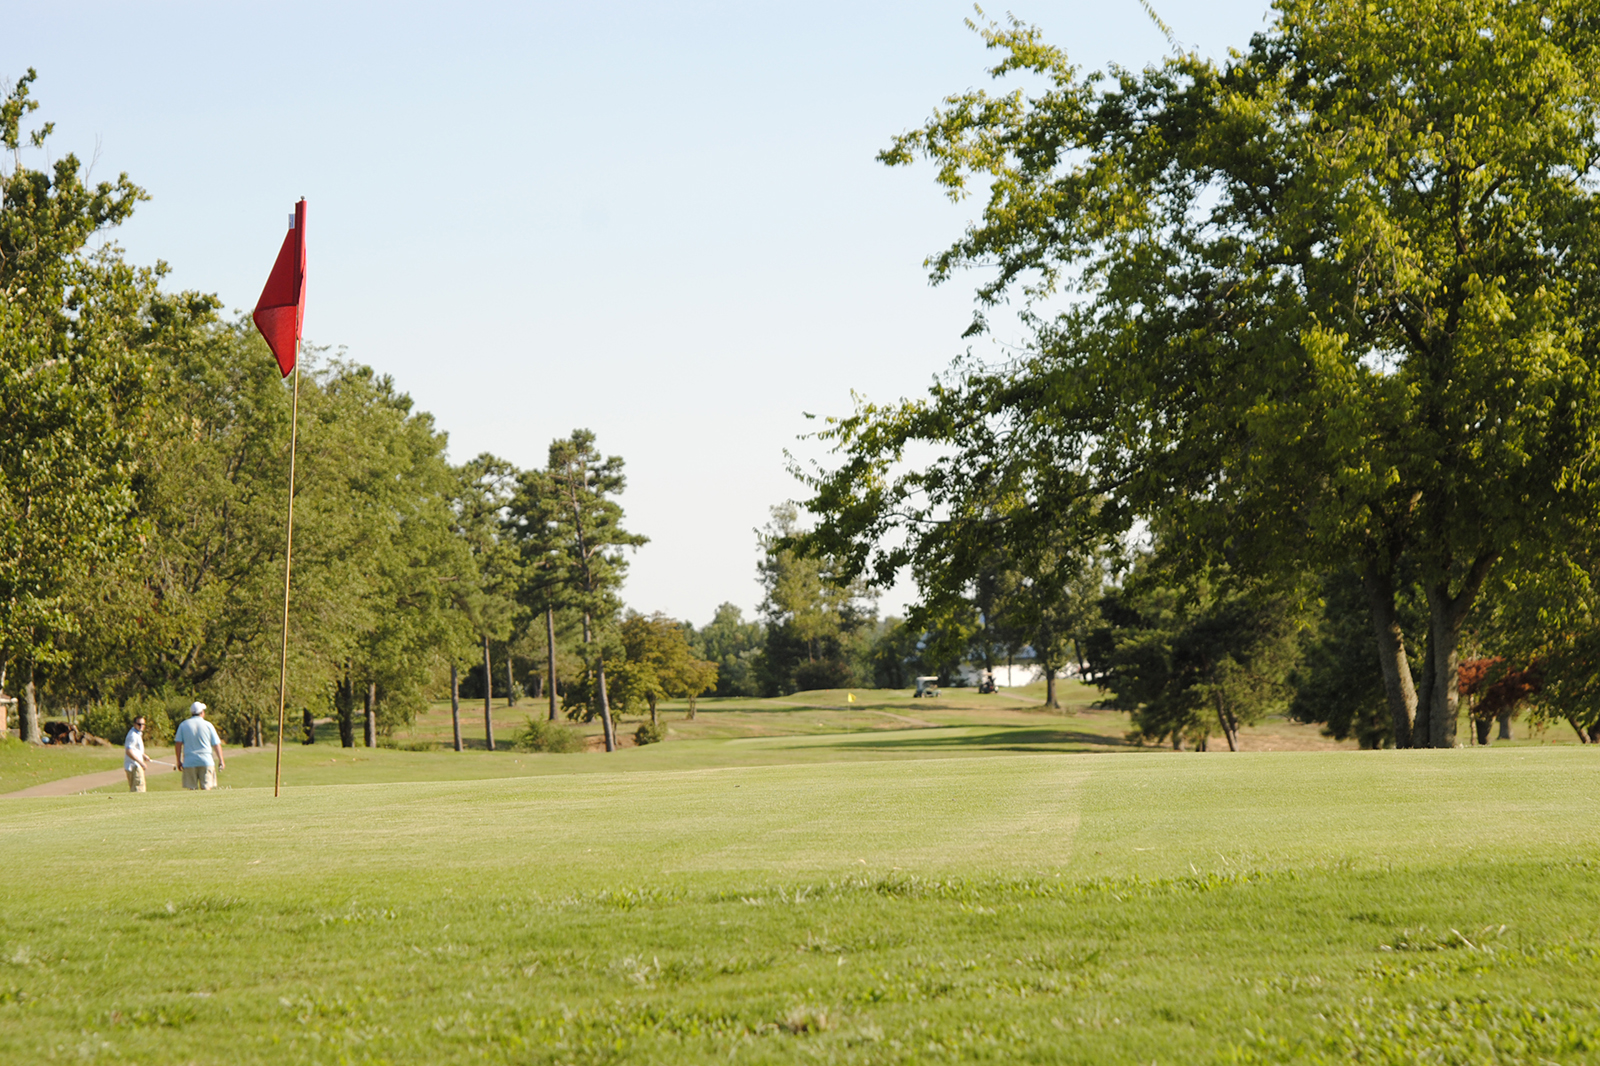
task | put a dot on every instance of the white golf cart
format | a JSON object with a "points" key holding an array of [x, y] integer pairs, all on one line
{"points": [[926, 686]]}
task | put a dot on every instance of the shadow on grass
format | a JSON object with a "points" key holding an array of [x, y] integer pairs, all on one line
{"points": [[997, 740]]}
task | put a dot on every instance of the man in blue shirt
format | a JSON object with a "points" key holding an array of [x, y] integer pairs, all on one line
{"points": [[198, 749]]}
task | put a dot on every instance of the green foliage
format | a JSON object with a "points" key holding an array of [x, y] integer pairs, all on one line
{"points": [[1334, 297], [196, 606], [734, 645], [660, 663], [817, 619], [650, 733], [569, 525], [541, 734], [81, 333], [1338, 681], [110, 722], [1194, 655]]}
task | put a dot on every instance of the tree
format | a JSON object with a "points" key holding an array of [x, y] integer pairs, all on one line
{"points": [[79, 332], [812, 611], [734, 645], [486, 492], [660, 662], [1333, 298], [191, 607], [567, 514], [1339, 682], [1190, 653]]}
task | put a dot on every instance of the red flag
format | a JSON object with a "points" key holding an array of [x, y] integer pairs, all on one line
{"points": [[282, 307]]}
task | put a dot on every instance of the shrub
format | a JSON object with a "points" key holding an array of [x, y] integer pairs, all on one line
{"points": [[650, 733], [552, 737], [110, 722], [824, 673]]}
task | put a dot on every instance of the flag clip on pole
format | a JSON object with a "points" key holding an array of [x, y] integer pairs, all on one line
{"points": [[279, 315]]}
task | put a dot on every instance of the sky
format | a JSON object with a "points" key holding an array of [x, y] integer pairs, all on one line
{"points": [[661, 223]]}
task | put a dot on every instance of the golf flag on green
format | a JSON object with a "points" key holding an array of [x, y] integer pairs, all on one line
{"points": [[281, 310], [279, 314]]}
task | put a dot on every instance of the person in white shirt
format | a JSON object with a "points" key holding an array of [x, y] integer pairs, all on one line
{"points": [[198, 750], [133, 760]]}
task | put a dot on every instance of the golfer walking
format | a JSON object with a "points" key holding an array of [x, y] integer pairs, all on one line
{"points": [[133, 760], [198, 749]]}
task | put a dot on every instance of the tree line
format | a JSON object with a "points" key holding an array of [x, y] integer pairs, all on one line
{"points": [[1310, 397], [143, 482], [143, 439]]}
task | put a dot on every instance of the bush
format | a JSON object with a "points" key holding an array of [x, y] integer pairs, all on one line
{"points": [[395, 744], [546, 736], [649, 733], [824, 673], [110, 722]]}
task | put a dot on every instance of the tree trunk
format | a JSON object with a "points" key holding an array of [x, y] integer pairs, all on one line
{"points": [[371, 715], [1583, 738], [691, 707], [347, 710], [1230, 727], [1482, 726], [309, 726], [1421, 735], [511, 679], [1505, 726], [1446, 613], [28, 723], [652, 710], [550, 645], [1050, 700], [488, 695], [1397, 683], [605, 703], [1594, 733], [455, 705]]}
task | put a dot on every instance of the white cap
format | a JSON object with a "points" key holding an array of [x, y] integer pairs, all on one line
{"points": [[197, 708]]}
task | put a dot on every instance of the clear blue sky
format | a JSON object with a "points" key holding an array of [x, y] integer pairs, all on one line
{"points": [[661, 223]]}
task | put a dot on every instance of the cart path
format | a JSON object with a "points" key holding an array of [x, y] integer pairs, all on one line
{"points": [[72, 786]]}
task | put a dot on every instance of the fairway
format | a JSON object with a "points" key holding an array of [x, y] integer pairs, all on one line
{"points": [[1050, 907]]}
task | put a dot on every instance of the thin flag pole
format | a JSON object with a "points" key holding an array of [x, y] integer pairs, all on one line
{"points": [[288, 564]]}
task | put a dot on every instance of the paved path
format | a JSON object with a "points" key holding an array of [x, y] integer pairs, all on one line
{"points": [[71, 786]]}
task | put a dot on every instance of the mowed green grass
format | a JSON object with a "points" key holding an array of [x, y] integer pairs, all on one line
{"points": [[1383, 907]]}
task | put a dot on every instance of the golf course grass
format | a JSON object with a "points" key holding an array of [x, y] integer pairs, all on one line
{"points": [[909, 894]]}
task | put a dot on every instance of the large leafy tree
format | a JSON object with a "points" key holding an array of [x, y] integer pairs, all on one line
{"points": [[1335, 298], [80, 331], [193, 607]]}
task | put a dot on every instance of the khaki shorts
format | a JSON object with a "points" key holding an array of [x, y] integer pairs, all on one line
{"points": [[135, 779], [202, 778]]}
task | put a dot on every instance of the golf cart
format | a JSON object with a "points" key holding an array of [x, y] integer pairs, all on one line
{"points": [[926, 686]]}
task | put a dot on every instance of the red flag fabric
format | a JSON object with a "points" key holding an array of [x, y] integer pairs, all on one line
{"points": [[282, 307]]}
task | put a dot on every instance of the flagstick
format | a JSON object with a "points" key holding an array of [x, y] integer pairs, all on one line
{"points": [[288, 558]]}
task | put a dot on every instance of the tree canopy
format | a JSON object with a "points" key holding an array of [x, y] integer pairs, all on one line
{"points": [[1334, 297]]}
